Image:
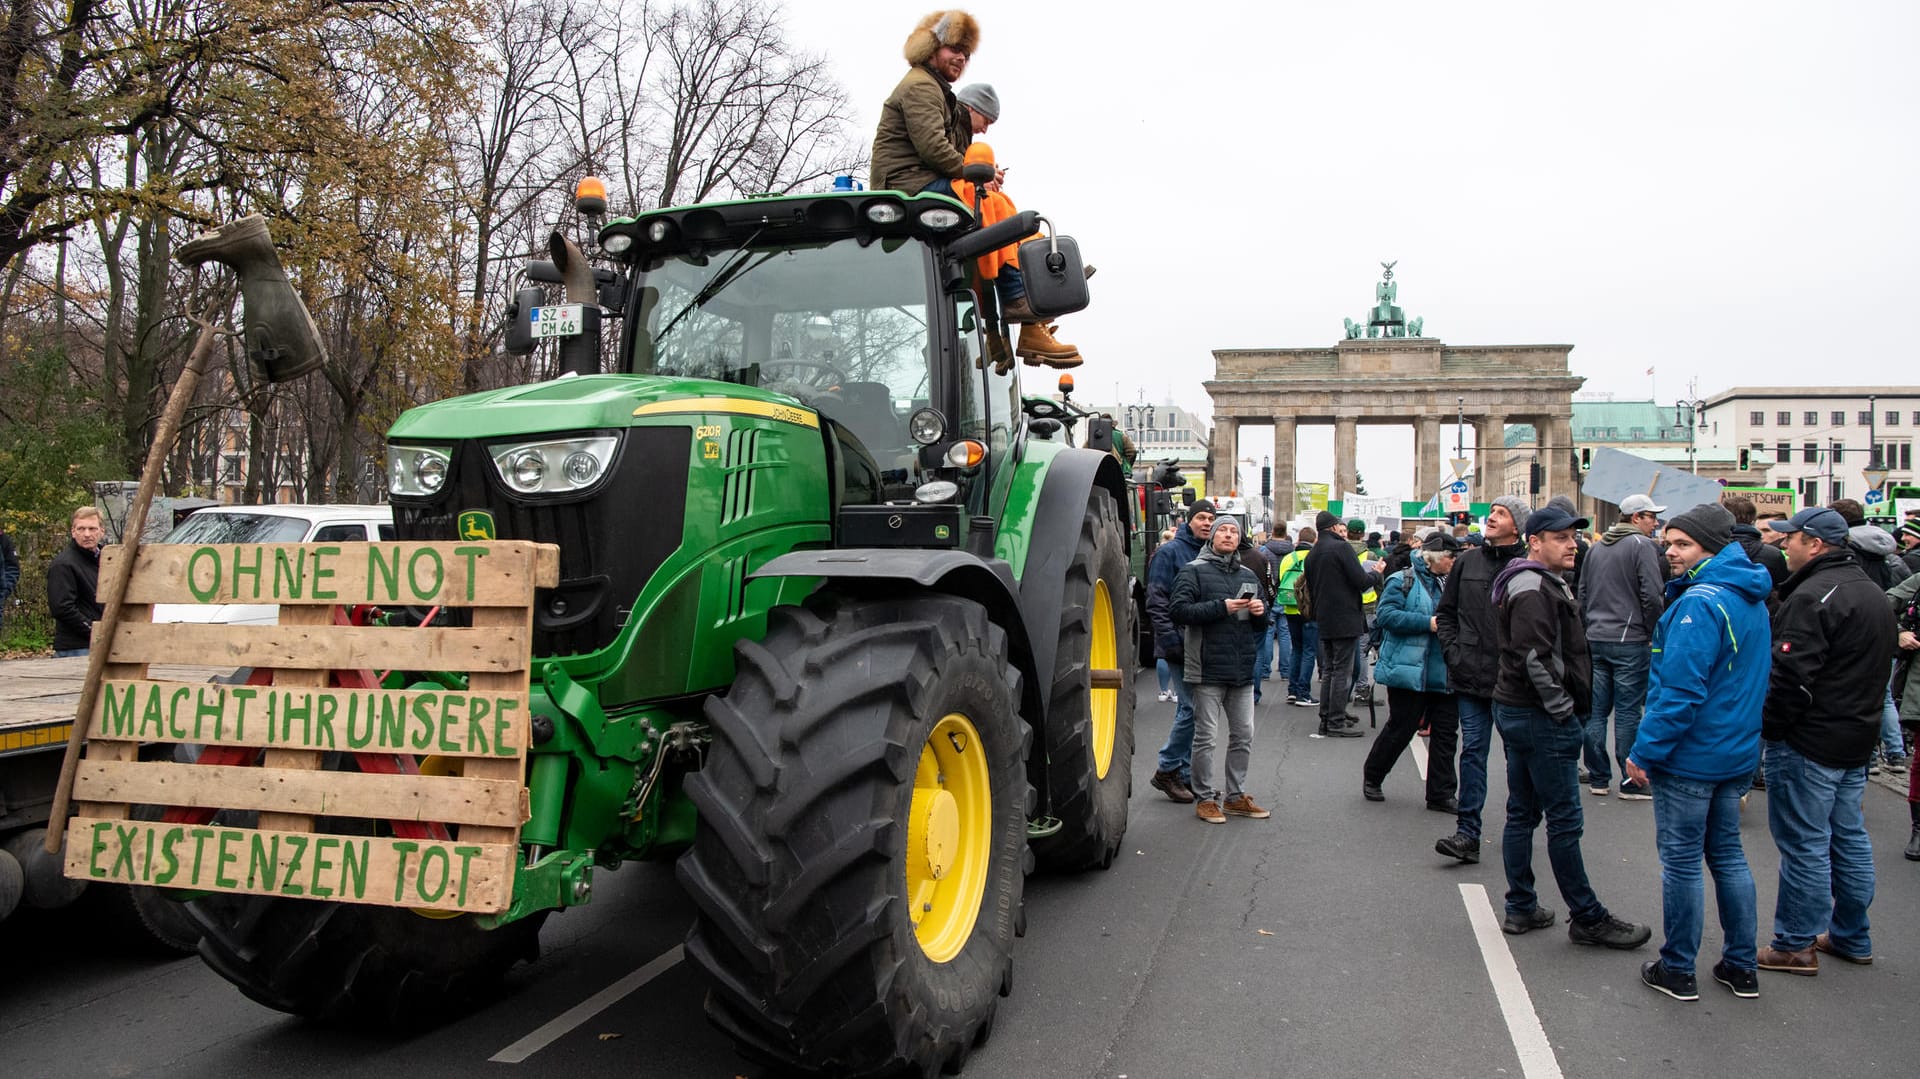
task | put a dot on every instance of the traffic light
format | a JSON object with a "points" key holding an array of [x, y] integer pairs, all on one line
{"points": [[1586, 458], [1533, 477], [1746, 459], [1266, 481]]}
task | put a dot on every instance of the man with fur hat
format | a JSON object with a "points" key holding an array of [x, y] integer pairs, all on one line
{"points": [[922, 140], [1698, 744]]}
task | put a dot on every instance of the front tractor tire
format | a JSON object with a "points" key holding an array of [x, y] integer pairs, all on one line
{"points": [[1089, 736], [859, 866]]}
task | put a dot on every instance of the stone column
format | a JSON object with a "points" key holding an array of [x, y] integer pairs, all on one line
{"points": [[1556, 452], [1222, 456], [1426, 457], [1489, 457], [1346, 446], [1286, 477]]}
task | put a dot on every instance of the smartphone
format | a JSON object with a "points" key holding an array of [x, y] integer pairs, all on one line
{"points": [[1247, 591]]}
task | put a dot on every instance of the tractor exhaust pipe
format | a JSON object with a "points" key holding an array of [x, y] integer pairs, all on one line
{"points": [[579, 354]]}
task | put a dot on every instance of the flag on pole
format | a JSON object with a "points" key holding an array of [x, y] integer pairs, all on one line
{"points": [[1649, 370]]}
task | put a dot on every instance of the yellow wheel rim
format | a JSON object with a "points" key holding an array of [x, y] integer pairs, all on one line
{"points": [[949, 838], [1103, 705]]}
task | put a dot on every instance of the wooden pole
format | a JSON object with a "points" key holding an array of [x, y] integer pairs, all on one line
{"points": [[116, 586]]}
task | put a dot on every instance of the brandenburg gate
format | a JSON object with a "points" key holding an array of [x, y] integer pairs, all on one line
{"points": [[1386, 372]]}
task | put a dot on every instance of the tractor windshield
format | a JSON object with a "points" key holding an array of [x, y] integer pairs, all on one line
{"points": [[826, 323]]}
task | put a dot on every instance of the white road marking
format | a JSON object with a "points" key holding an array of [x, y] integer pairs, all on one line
{"points": [[1420, 755], [566, 1021], [1523, 1023]]}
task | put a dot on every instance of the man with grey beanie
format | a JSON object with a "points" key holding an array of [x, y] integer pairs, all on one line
{"points": [[1468, 630]]}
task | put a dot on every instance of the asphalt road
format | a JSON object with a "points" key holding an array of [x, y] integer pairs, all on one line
{"points": [[1327, 941]]}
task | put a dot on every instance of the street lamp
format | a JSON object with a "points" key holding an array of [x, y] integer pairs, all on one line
{"points": [[1684, 411]]}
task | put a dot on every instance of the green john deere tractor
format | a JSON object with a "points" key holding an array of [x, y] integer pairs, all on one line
{"points": [[830, 629]]}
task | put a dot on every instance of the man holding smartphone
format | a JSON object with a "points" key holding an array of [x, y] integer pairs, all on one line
{"points": [[1216, 604]]}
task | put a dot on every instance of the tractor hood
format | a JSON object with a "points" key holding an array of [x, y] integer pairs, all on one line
{"points": [[568, 403]]}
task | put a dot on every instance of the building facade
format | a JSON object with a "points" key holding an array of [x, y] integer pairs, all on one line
{"points": [[1816, 440]]}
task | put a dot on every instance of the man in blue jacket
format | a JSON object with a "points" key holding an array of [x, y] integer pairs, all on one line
{"points": [[1172, 775], [1698, 743]]}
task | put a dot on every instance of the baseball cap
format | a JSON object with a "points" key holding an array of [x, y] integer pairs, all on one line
{"points": [[1817, 521], [1555, 519], [1440, 541], [1633, 504]]}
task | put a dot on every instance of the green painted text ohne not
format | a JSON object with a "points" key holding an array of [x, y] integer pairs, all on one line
{"points": [[395, 575]]}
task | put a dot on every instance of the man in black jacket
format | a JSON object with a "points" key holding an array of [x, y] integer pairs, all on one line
{"points": [[1336, 580], [1216, 603], [1172, 765], [73, 577], [1543, 690], [1833, 641], [1468, 635]]}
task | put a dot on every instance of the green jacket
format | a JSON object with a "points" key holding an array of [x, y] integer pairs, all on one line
{"points": [[923, 135], [1906, 669]]}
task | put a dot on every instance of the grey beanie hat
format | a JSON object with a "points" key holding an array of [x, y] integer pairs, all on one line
{"points": [[979, 97], [1519, 507], [1709, 524]]}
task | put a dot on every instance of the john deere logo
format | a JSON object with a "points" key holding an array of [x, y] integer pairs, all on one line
{"points": [[476, 525]]}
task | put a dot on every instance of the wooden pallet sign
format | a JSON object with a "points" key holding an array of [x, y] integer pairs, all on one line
{"points": [[446, 840]]}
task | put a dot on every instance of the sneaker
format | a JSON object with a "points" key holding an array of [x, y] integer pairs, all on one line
{"points": [[1537, 918], [1363, 691], [1634, 792], [1676, 985], [1371, 792], [1165, 696], [1209, 811], [1600, 789], [1171, 785], [1585, 776], [1873, 766], [1291, 699], [1461, 846], [1744, 983], [1240, 805], [1896, 764], [1804, 962], [1824, 943], [1338, 730], [1609, 932], [1306, 701]]}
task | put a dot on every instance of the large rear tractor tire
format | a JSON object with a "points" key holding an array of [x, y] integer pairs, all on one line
{"points": [[383, 967], [860, 861], [1089, 736]]}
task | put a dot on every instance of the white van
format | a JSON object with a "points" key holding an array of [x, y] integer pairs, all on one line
{"points": [[223, 525]]}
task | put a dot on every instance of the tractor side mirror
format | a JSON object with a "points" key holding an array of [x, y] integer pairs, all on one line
{"points": [[1056, 280], [519, 338]]}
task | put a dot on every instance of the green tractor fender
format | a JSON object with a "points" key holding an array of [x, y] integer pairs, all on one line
{"points": [[988, 582], [1069, 480]]}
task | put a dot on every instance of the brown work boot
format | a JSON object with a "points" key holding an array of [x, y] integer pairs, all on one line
{"points": [[1209, 811], [1802, 962], [1037, 347], [1018, 311], [1241, 805], [1824, 943], [998, 352]]}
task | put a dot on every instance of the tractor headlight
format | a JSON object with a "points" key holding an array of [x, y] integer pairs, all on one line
{"points": [[554, 467], [934, 492], [926, 426], [417, 470]]}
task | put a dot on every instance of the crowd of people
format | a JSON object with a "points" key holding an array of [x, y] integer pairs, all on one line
{"points": [[1727, 654]]}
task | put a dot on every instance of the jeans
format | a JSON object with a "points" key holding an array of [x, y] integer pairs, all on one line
{"points": [[1890, 736], [1543, 780], [1177, 755], [1826, 860], [1405, 709], [1692, 817], [1361, 669], [65, 653], [1283, 649], [1620, 687], [1165, 672], [1215, 705], [1306, 640], [1262, 661], [1476, 742], [1336, 677]]}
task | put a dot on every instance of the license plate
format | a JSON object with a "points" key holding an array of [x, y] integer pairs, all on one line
{"points": [[559, 321]]}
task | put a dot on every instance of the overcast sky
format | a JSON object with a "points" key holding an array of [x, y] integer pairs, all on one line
{"points": [[1721, 191]]}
